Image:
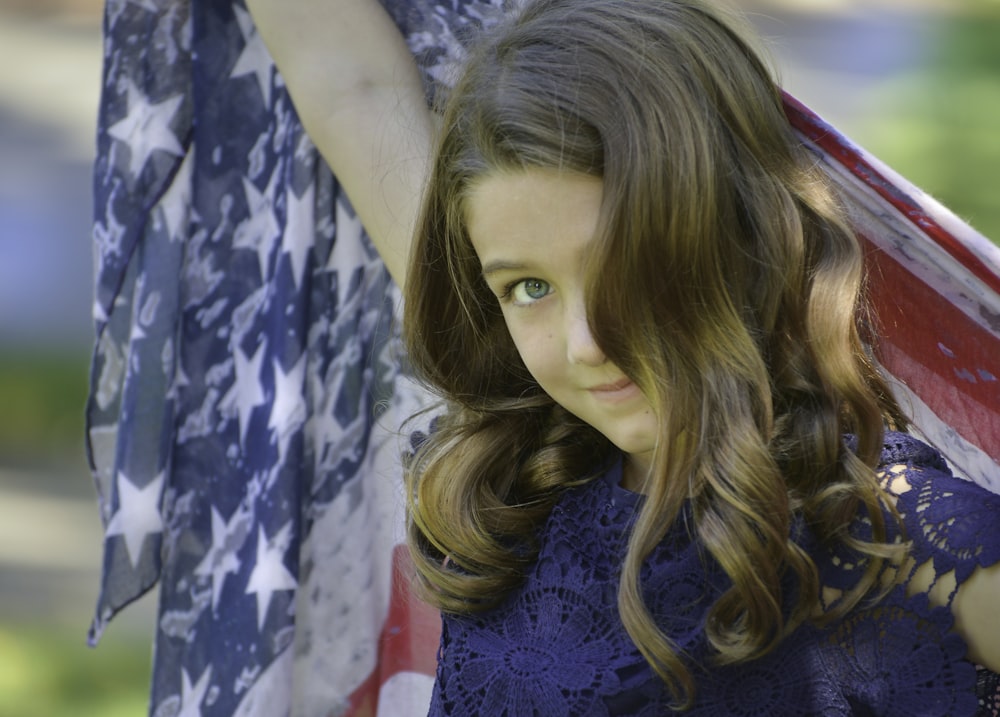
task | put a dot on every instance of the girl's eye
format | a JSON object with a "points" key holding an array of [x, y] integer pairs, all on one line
{"points": [[528, 291]]}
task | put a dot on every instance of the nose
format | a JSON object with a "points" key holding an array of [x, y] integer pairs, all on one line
{"points": [[580, 345]]}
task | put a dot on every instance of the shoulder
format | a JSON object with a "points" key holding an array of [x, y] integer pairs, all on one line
{"points": [[947, 519], [953, 528]]}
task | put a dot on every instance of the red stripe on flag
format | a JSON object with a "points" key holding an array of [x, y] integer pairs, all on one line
{"points": [[409, 638], [951, 362]]}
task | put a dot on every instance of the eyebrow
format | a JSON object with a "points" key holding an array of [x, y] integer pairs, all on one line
{"points": [[502, 265]]}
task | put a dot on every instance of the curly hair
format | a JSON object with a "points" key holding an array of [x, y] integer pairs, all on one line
{"points": [[743, 284]]}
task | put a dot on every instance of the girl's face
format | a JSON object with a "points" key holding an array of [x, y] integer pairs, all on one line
{"points": [[531, 230]]}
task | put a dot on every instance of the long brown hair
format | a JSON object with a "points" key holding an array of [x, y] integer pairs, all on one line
{"points": [[742, 282]]}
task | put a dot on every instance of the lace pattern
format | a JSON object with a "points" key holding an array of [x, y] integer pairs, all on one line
{"points": [[988, 691], [953, 524], [557, 646]]}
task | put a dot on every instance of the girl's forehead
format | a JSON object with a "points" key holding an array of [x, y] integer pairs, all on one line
{"points": [[529, 213]]}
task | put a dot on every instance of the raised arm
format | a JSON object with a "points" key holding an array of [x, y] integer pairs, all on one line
{"points": [[358, 93]]}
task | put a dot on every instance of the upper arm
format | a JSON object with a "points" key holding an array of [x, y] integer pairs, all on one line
{"points": [[976, 608], [358, 92], [956, 536]]}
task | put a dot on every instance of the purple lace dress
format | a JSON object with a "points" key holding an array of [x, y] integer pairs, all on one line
{"points": [[557, 647]]}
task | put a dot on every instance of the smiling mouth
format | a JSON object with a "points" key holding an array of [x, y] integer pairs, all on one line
{"points": [[623, 391], [618, 386]]}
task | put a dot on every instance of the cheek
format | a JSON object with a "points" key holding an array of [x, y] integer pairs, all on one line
{"points": [[537, 349]]}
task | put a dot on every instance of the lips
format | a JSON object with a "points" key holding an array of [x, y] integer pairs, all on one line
{"points": [[619, 385]]}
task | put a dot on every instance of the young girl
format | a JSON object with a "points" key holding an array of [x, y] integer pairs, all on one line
{"points": [[664, 479]]}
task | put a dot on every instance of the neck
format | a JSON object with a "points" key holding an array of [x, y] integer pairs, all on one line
{"points": [[634, 471]]}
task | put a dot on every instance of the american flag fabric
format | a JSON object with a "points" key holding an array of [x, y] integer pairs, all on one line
{"points": [[246, 407], [934, 283]]}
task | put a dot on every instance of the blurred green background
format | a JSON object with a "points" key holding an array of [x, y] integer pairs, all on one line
{"points": [[937, 122], [916, 82], [50, 529]]}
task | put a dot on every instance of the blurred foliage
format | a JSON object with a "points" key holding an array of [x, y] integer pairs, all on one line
{"points": [[942, 126], [42, 674], [43, 397]]}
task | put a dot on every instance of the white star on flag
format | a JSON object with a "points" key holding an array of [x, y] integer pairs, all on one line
{"points": [[288, 410], [254, 59], [298, 238], [221, 558], [246, 392], [138, 514], [346, 253], [193, 696], [269, 573], [145, 128], [260, 230]]}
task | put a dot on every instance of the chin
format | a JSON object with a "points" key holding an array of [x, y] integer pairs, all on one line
{"points": [[638, 448]]}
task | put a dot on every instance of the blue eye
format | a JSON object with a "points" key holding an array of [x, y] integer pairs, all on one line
{"points": [[528, 291]]}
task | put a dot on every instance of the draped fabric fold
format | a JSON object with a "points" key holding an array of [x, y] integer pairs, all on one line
{"points": [[246, 400]]}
